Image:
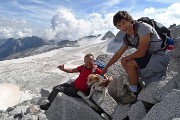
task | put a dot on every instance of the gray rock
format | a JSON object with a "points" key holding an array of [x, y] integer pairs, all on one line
{"points": [[69, 108], [41, 116], [19, 109], [108, 104], [44, 92], [176, 119], [137, 111], [30, 117], [163, 89], [146, 94], [3, 115], [167, 109], [121, 112]]}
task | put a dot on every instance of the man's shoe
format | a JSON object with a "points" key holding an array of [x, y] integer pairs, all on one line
{"points": [[128, 97], [45, 106]]}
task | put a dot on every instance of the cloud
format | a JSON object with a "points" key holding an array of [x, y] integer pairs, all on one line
{"points": [[150, 10], [23, 33], [6, 32], [14, 28], [111, 2], [168, 16], [66, 26]]}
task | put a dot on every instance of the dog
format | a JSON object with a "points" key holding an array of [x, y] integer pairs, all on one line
{"points": [[94, 80]]}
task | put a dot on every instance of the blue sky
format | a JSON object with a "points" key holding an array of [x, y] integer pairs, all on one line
{"points": [[73, 19]]}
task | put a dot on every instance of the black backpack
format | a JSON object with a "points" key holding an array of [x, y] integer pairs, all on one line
{"points": [[162, 31]]}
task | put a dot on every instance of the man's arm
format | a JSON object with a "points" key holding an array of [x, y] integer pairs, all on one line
{"points": [[117, 55], [68, 70], [115, 58], [142, 47]]}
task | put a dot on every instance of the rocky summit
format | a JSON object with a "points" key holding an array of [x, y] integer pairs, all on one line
{"points": [[159, 100]]}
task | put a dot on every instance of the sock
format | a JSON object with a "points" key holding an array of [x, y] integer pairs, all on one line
{"points": [[133, 88]]}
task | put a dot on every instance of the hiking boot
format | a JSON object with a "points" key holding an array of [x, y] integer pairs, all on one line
{"points": [[128, 97], [45, 106]]}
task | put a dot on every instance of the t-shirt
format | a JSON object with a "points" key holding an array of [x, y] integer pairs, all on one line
{"points": [[145, 29], [80, 82]]}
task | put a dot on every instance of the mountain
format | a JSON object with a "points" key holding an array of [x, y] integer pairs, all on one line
{"points": [[23, 47], [2, 41], [90, 36], [12, 46], [109, 34]]}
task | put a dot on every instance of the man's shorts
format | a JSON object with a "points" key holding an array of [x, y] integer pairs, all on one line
{"points": [[142, 62]]}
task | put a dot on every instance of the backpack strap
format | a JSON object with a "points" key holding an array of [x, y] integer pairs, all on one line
{"points": [[93, 70], [126, 39]]}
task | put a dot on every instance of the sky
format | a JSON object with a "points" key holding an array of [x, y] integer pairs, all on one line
{"points": [[74, 19]]}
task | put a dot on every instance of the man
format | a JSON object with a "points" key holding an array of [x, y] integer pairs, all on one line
{"points": [[148, 44], [78, 85]]}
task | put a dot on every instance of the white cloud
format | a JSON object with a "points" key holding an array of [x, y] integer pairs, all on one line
{"points": [[23, 33], [14, 28], [150, 10], [166, 16], [6, 32], [170, 15], [66, 26], [111, 2]]}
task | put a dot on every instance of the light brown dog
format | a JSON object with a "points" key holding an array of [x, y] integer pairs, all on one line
{"points": [[94, 80]]}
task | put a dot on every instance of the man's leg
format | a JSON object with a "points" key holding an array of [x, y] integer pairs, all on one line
{"points": [[131, 69], [130, 91], [65, 88], [56, 90], [71, 91]]}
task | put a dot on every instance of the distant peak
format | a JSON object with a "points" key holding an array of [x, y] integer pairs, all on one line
{"points": [[108, 34]]}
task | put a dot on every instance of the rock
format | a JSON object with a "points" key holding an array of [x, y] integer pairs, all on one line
{"points": [[69, 108], [167, 109], [121, 112], [137, 111], [146, 94], [163, 89]]}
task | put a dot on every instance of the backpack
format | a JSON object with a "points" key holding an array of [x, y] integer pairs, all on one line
{"points": [[162, 31], [99, 64]]}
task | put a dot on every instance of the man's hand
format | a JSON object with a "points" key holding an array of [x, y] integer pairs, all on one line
{"points": [[106, 81], [104, 70], [61, 67]]}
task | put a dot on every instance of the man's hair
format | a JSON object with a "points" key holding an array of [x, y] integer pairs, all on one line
{"points": [[89, 55], [121, 15]]}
